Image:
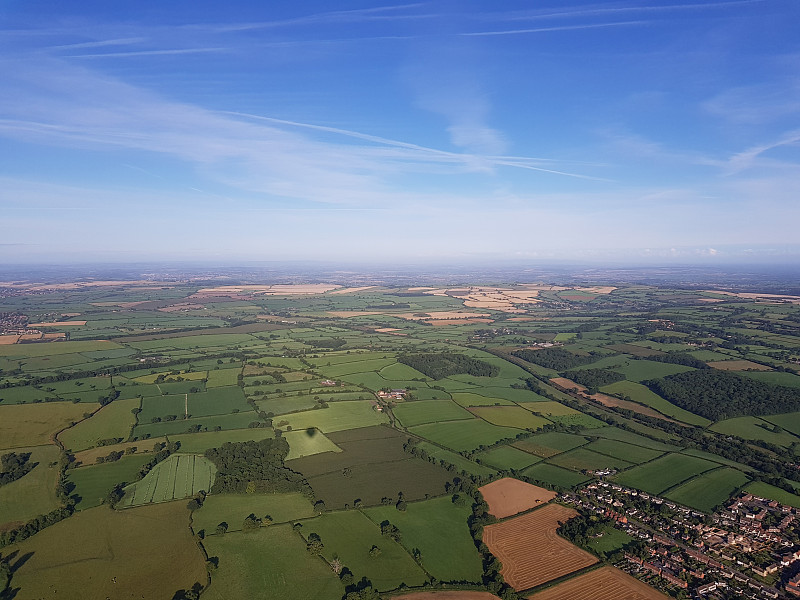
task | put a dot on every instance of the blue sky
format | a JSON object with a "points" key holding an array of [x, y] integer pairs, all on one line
{"points": [[378, 131]]}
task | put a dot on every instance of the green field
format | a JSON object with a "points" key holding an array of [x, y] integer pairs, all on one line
{"points": [[338, 416], [93, 483], [623, 450], [474, 399], [642, 370], [429, 411], [464, 435], [35, 493], [623, 435], [438, 528], [179, 476], [788, 421], [510, 416], [307, 443], [663, 473], [507, 457], [610, 541], [709, 490], [350, 535], [643, 395], [293, 574], [197, 443], [582, 459], [239, 420], [222, 377], [458, 461], [753, 428], [554, 475], [773, 377], [99, 552], [550, 443], [114, 420], [233, 509], [770, 492]]}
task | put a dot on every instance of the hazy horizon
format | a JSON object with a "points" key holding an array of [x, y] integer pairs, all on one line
{"points": [[625, 133]]}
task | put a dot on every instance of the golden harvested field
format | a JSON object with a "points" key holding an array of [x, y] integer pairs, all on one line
{"points": [[353, 290], [606, 583], [444, 322], [531, 551], [607, 400], [597, 289], [738, 365], [442, 314], [104, 553], [509, 496], [8, 339], [353, 313], [757, 296], [36, 424], [567, 384], [58, 324]]}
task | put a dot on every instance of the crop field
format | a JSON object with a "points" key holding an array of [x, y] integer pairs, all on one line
{"points": [[93, 483], [623, 450], [606, 583], [644, 395], [468, 399], [222, 377], [233, 509], [39, 350], [554, 475], [509, 416], [464, 435], [663, 473], [293, 574], [623, 435], [351, 535], [513, 541], [458, 461], [771, 492], [738, 365], [337, 417], [115, 552], [709, 489], [179, 476], [35, 493], [753, 428], [114, 420], [239, 420], [429, 411], [508, 496], [551, 443], [308, 443], [582, 459], [197, 443], [23, 425], [448, 551], [507, 457]]}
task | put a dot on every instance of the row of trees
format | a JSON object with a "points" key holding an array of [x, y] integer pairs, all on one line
{"points": [[15, 465]]}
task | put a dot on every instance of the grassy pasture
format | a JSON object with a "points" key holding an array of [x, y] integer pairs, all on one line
{"points": [[218, 401], [464, 435], [308, 443], [429, 411], [35, 493], [642, 370], [623, 450], [23, 425], [114, 420], [197, 443], [663, 473], [103, 553], [622, 435], [162, 406], [133, 390], [338, 416], [350, 535], [235, 421], [293, 573], [788, 421], [551, 443], [509, 416], [439, 529], [644, 395], [84, 384], [508, 457], [361, 366], [93, 483], [754, 428], [289, 404], [54, 348], [770, 492], [773, 377], [460, 463], [709, 489], [179, 476], [469, 399], [582, 459], [222, 377], [233, 509], [554, 475], [23, 394]]}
